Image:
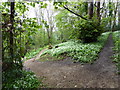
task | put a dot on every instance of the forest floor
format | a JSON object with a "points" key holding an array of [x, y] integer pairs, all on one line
{"points": [[66, 74]]}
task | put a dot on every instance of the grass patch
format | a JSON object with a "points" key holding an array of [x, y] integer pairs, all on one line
{"points": [[78, 51], [116, 56]]}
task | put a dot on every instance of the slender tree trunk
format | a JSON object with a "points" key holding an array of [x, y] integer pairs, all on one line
{"points": [[51, 32], [48, 29], [48, 34], [12, 29], [90, 10], [86, 7], [1, 44], [98, 11], [105, 15], [115, 13], [51, 26], [110, 14], [119, 15]]}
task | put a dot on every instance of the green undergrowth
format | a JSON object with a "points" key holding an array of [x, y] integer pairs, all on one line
{"points": [[116, 56], [33, 53], [20, 79], [78, 51]]}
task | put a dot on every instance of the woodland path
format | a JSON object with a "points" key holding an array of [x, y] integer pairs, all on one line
{"points": [[37, 57], [65, 74]]}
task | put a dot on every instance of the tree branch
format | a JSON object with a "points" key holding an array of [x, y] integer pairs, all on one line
{"points": [[75, 13], [98, 7]]}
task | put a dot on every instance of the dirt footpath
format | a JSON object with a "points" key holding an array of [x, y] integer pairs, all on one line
{"points": [[66, 74]]}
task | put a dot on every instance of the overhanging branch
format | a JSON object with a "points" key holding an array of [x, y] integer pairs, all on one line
{"points": [[75, 13]]}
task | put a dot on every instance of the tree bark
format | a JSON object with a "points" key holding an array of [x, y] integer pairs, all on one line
{"points": [[86, 7], [48, 34], [1, 45], [103, 11], [98, 11], [119, 15], [115, 13], [110, 14], [12, 29], [90, 10]]}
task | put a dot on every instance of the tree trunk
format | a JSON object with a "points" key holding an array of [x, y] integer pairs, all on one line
{"points": [[98, 11], [86, 7], [11, 29], [110, 14], [1, 44], [105, 14], [119, 15], [90, 10], [48, 34], [115, 12]]}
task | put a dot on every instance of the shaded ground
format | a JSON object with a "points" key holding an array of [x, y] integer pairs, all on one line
{"points": [[66, 74]]}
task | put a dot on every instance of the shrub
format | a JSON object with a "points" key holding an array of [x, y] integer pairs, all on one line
{"points": [[89, 31]]}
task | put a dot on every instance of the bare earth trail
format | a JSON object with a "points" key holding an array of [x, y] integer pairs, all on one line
{"points": [[65, 74], [37, 57]]}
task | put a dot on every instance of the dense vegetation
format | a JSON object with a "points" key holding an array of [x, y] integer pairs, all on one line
{"points": [[75, 28], [116, 56], [24, 79], [78, 51]]}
